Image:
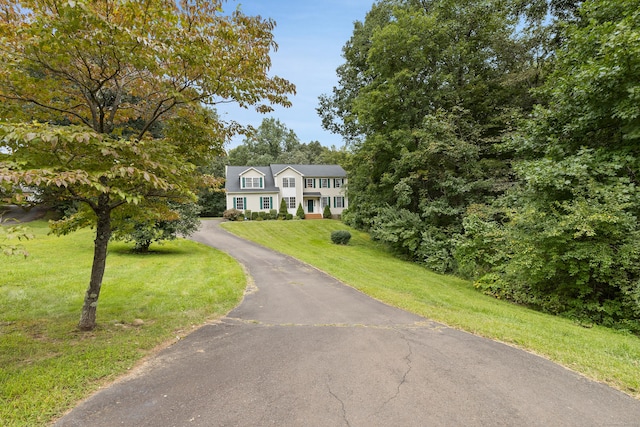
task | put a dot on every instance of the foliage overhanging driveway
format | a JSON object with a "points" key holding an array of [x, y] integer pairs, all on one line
{"points": [[303, 349]]}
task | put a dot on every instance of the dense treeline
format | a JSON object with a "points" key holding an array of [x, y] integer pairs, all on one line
{"points": [[498, 140]]}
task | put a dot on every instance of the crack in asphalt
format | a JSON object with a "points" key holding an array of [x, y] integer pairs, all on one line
{"points": [[408, 361], [403, 380], [344, 409]]}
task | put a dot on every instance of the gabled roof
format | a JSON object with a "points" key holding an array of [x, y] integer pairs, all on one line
{"points": [[312, 171], [232, 183], [286, 167], [252, 168]]}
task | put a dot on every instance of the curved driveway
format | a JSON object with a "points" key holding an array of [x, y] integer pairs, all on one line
{"points": [[305, 350]]}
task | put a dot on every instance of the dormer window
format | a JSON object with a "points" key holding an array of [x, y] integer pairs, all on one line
{"points": [[252, 183]]}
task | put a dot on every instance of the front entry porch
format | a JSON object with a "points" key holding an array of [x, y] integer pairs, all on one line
{"points": [[312, 206]]}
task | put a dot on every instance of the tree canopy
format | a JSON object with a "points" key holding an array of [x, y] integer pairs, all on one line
{"points": [[572, 220], [498, 140], [273, 142], [427, 89], [104, 101]]}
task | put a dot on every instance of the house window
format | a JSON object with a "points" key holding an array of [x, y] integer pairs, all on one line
{"points": [[240, 203], [338, 202], [310, 183], [291, 202], [324, 182], [338, 182], [266, 203], [326, 201], [252, 182], [289, 182]]}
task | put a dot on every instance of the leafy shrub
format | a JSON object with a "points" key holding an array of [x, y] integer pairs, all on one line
{"points": [[340, 237], [326, 214], [255, 215], [273, 214], [300, 212], [247, 214], [400, 229], [483, 246], [288, 216], [233, 215], [178, 219]]}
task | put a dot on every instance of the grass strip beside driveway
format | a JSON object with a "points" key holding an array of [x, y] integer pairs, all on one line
{"points": [[602, 354], [47, 366]]}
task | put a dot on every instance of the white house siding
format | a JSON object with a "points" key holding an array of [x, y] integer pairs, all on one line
{"points": [[288, 192], [272, 180], [331, 191], [252, 201]]}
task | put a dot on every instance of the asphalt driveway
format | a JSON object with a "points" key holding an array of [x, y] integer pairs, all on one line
{"points": [[305, 350]]}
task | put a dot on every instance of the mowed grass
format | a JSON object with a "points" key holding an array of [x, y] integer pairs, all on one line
{"points": [[47, 365], [602, 354]]}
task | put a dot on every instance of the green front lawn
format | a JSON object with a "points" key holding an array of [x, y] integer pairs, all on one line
{"points": [[47, 366], [602, 354]]}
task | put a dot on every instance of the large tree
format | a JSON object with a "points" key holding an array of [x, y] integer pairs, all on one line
{"points": [[568, 236], [427, 89], [92, 80]]}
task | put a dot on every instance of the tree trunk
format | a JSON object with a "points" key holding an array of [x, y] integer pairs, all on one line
{"points": [[103, 234]]}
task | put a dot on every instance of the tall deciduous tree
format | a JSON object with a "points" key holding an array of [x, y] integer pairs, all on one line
{"points": [[570, 229], [426, 90], [102, 75]]}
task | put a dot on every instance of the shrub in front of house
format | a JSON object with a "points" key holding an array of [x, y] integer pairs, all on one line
{"points": [[255, 215], [340, 237], [233, 215], [273, 214], [247, 214], [289, 216], [326, 214], [300, 212]]}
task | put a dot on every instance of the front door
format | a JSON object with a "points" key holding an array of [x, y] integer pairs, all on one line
{"points": [[310, 206]]}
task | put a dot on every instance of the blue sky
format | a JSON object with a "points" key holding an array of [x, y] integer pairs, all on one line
{"points": [[310, 36]]}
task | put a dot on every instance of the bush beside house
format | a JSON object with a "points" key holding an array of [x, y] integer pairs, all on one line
{"points": [[326, 214]]}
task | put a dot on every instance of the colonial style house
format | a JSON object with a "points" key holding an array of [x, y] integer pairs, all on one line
{"points": [[261, 188]]}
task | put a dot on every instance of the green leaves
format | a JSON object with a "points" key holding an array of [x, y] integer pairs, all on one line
{"points": [[571, 225], [108, 64], [87, 165], [121, 86], [9, 233], [426, 90]]}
